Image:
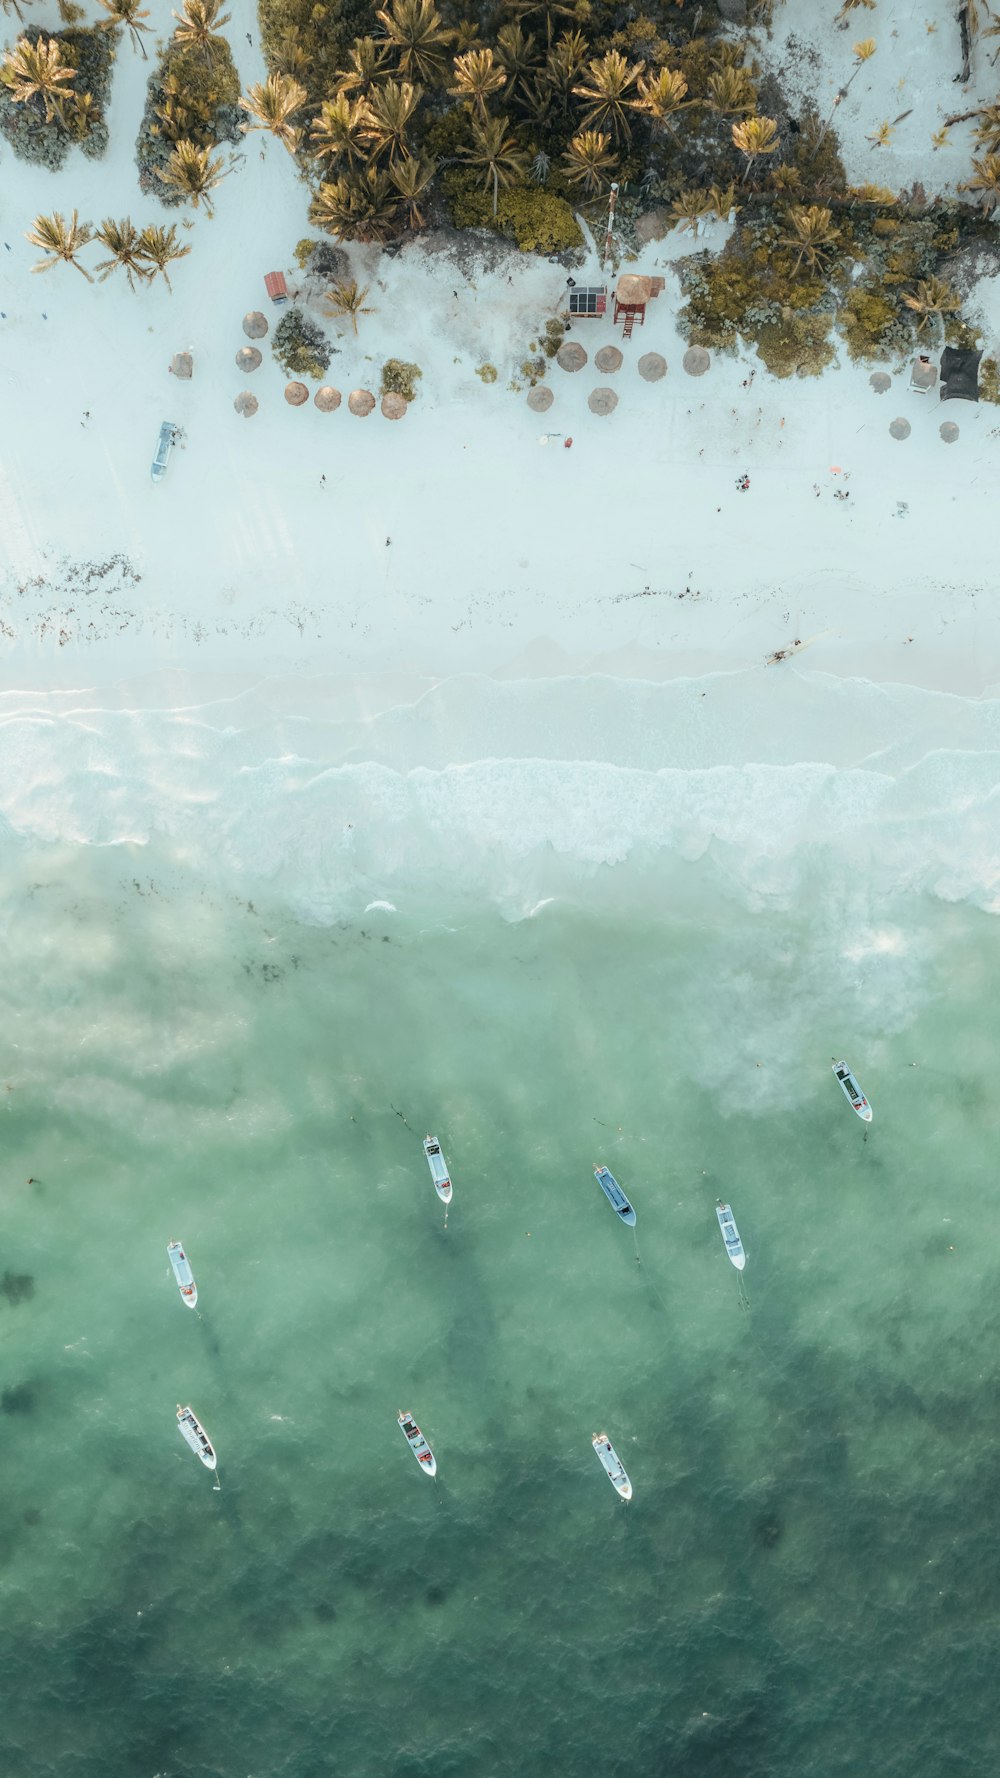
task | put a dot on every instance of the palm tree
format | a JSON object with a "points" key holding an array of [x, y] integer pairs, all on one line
{"points": [[662, 98], [611, 81], [366, 64], [122, 240], [687, 210], [564, 64], [496, 152], [477, 77], [588, 162], [731, 91], [550, 10], [517, 55], [82, 113], [12, 6], [722, 201], [346, 299], [336, 134], [389, 112], [811, 230], [987, 131], [986, 180], [415, 30], [127, 13], [274, 104], [158, 248], [193, 172], [37, 69], [753, 137], [60, 241], [411, 177], [852, 6], [863, 53], [357, 206], [199, 24], [932, 297]]}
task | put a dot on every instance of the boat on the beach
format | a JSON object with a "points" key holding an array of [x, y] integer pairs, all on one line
{"points": [[731, 1235], [194, 1434], [615, 1196], [438, 1167], [417, 1442], [164, 444], [852, 1092], [183, 1273], [613, 1464]]}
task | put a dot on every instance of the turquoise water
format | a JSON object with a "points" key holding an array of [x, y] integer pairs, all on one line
{"points": [[805, 1583]]}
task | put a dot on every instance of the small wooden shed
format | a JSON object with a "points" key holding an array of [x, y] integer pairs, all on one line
{"points": [[274, 284], [634, 290]]}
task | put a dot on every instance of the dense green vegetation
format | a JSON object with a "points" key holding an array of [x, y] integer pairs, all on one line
{"points": [[54, 89], [192, 105]]}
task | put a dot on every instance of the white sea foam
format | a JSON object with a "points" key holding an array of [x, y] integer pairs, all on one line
{"points": [[449, 794]]}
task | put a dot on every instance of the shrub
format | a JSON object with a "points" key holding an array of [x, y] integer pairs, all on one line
{"points": [[303, 253], [555, 333], [92, 53], [797, 345], [873, 325], [190, 96], [538, 221], [301, 348], [488, 372], [400, 378], [989, 381]]}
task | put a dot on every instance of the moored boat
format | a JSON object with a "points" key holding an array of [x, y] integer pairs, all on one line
{"points": [[614, 1194], [183, 1273], [731, 1235], [417, 1442], [194, 1434], [612, 1464], [439, 1168], [852, 1092]]}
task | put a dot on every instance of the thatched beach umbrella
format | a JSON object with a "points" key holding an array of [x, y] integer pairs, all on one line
{"points": [[327, 400], [182, 365], [696, 361], [900, 428], [540, 399], [652, 367], [245, 403], [394, 406], [255, 325], [296, 394], [361, 402], [608, 360], [571, 356], [949, 431], [880, 382], [248, 358], [602, 401]]}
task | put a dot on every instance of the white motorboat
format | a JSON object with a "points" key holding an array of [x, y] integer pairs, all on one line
{"points": [[194, 1434], [852, 1092], [183, 1273], [613, 1464], [731, 1235], [164, 445], [438, 1167], [615, 1196], [417, 1442]]}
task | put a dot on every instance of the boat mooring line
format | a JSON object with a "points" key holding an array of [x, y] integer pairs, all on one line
{"points": [[400, 1115]]}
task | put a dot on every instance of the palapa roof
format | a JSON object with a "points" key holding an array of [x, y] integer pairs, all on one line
{"points": [[880, 381], [608, 360], [246, 404], [296, 394], [327, 400], [394, 405], [652, 367], [696, 361], [255, 325], [361, 402], [949, 431], [900, 428], [634, 288], [248, 358], [602, 401], [540, 399], [182, 365], [571, 356]]}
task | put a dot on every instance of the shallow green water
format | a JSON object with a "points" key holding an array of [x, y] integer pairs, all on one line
{"points": [[805, 1583]]}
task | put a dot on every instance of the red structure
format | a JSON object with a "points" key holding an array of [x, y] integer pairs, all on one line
{"points": [[632, 294], [274, 284]]}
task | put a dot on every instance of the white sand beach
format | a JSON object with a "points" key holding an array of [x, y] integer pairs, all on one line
{"points": [[301, 560]]}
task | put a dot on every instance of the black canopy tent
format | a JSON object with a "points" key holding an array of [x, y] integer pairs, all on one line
{"points": [[959, 374]]}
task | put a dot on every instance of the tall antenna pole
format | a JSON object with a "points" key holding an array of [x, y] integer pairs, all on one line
{"points": [[612, 201]]}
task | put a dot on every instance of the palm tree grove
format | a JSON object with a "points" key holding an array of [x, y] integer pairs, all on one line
{"points": [[516, 117]]}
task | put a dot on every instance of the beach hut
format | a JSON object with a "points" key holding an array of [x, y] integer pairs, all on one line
{"points": [[361, 402], [959, 374], [296, 394], [274, 284], [632, 292], [923, 375]]}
